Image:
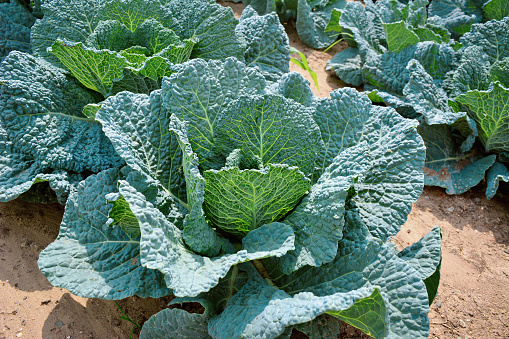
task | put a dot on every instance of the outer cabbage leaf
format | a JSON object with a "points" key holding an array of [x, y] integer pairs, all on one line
{"points": [[399, 36], [392, 179], [447, 165], [271, 127], [498, 172], [348, 66], [490, 110], [426, 256], [341, 119], [492, 36], [138, 127], [199, 91], [262, 311], [500, 72], [188, 274], [364, 261], [176, 324], [197, 232], [239, 201], [43, 124], [267, 43], [211, 24], [92, 259], [294, 86], [15, 23]]}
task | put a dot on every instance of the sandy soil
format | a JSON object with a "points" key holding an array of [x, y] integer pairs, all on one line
{"points": [[472, 300]]}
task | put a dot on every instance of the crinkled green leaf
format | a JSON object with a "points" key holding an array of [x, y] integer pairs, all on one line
{"points": [[364, 261], [496, 9], [447, 165], [15, 23], [312, 22], [426, 34], [492, 36], [392, 179], [94, 69], [262, 311], [318, 224], [199, 91], [138, 127], [294, 86], [186, 273], [499, 72], [239, 201], [176, 324], [498, 172], [471, 73], [341, 119], [198, 234], [111, 35], [92, 259], [452, 14], [41, 111], [426, 256], [399, 36], [211, 24], [347, 65], [276, 129], [490, 110], [428, 100], [267, 43]]}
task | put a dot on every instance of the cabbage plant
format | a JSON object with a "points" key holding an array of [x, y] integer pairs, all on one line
{"points": [[270, 207], [87, 51], [407, 57]]}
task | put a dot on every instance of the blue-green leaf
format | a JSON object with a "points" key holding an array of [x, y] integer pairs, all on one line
{"points": [[92, 259], [498, 172]]}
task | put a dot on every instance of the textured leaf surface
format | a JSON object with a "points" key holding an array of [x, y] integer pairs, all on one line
{"points": [[365, 261], [323, 326], [318, 224], [347, 65], [273, 128], [393, 179], [426, 257], [138, 127], [268, 47], [15, 23], [453, 15], [262, 311], [498, 172], [200, 90], [341, 120], [94, 69], [239, 201], [92, 259], [447, 165], [490, 110], [176, 324], [211, 24], [492, 36], [294, 86], [197, 232], [188, 274], [41, 111]]}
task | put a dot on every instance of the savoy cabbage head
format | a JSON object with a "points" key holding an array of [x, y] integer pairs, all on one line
{"points": [[407, 58], [270, 207], [87, 51]]}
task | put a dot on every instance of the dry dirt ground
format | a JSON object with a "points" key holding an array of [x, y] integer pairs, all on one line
{"points": [[472, 300]]}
